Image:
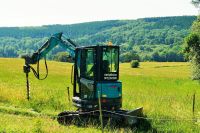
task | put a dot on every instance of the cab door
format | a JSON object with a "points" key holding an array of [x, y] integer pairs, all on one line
{"points": [[87, 73]]}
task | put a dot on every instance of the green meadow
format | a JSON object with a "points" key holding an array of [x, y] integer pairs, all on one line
{"points": [[165, 91]]}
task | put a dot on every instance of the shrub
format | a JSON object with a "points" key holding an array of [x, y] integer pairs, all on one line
{"points": [[63, 57], [128, 56], [192, 52], [135, 63]]}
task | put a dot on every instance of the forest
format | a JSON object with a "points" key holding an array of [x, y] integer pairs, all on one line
{"points": [[146, 39]]}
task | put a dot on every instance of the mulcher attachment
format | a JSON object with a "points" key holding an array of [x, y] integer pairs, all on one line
{"points": [[115, 118]]}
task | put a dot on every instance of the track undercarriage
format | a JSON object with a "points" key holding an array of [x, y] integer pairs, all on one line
{"points": [[114, 118]]}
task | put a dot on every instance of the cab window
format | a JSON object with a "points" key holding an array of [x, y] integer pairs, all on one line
{"points": [[110, 63], [110, 59], [88, 64]]}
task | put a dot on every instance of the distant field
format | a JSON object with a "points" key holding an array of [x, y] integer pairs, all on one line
{"points": [[165, 91]]}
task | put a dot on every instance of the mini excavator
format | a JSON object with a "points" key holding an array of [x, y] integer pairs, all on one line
{"points": [[94, 76]]}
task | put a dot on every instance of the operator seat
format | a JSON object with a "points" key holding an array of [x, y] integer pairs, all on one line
{"points": [[106, 68]]}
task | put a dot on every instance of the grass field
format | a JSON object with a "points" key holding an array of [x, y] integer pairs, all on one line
{"points": [[165, 90]]}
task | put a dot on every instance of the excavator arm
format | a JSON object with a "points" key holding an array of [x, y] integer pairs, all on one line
{"points": [[51, 43]]}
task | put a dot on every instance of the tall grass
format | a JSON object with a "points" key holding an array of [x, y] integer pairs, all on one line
{"points": [[165, 91]]}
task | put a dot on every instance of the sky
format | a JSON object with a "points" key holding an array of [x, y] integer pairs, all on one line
{"points": [[44, 12]]}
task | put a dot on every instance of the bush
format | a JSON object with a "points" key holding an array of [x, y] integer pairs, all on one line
{"points": [[135, 63], [63, 57], [128, 56], [192, 52]]}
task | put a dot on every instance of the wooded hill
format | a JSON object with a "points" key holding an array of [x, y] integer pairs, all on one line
{"points": [[152, 39]]}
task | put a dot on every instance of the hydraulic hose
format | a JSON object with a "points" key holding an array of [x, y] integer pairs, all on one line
{"points": [[37, 73]]}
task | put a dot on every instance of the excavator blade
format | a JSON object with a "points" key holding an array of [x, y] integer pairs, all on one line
{"points": [[132, 116]]}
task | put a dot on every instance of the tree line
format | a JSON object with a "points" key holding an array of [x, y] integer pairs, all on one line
{"points": [[147, 39]]}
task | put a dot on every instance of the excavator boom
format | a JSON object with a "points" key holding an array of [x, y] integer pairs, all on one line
{"points": [[52, 42]]}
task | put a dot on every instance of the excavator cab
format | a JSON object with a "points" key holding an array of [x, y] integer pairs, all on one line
{"points": [[96, 74]]}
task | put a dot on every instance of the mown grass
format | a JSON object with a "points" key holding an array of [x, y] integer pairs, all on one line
{"points": [[165, 91]]}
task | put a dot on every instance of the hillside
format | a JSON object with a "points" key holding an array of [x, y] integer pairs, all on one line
{"points": [[157, 39], [146, 31], [73, 30]]}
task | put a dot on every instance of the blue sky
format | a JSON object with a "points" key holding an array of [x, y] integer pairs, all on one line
{"points": [[43, 12]]}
